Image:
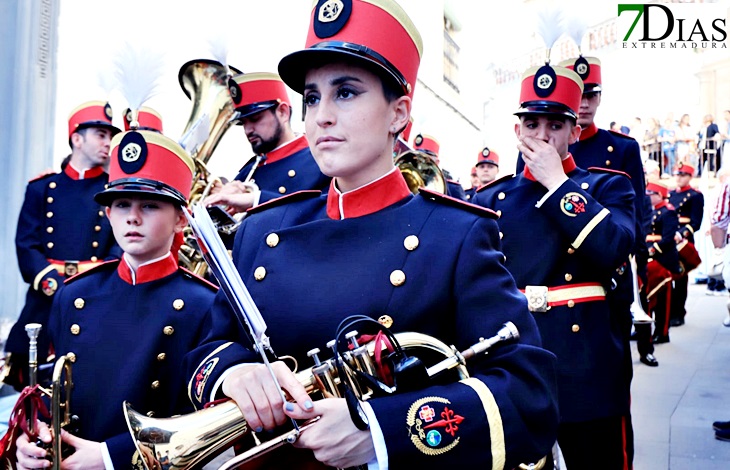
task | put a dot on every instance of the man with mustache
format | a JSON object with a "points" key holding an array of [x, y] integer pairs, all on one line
{"points": [[282, 163]]}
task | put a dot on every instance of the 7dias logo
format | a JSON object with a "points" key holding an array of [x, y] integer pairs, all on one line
{"points": [[673, 26]]}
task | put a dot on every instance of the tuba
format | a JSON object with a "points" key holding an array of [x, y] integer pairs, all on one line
{"points": [[193, 439], [206, 83], [420, 171]]}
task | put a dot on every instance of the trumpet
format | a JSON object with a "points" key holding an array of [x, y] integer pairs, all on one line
{"points": [[195, 438], [637, 313], [61, 386]]}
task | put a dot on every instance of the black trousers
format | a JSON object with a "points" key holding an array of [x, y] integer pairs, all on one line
{"points": [[679, 298], [601, 444]]}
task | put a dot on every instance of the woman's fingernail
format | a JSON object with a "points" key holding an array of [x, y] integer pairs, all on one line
{"points": [[308, 405], [289, 407], [259, 429]]}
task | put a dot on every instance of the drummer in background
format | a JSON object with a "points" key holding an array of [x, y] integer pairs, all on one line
{"points": [[367, 247], [690, 206]]}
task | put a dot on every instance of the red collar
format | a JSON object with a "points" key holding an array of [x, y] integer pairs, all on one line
{"points": [[287, 149], [683, 188], [83, 174], [589, 131], [568, 166], [661, 204], [147, 272], [374, 196]]}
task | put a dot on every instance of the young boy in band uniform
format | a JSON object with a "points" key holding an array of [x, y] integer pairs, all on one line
{"points": [[126, 324]]}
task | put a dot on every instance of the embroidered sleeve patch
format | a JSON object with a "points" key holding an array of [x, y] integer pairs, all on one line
{"points": [[573, 204], [433, 425], [202, 377], [49, 286]]}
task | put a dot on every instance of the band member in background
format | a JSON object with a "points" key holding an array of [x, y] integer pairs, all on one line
{"points": [[564, 232], [663, 258], [282, 163], [430, 146], [487, 166], [474, 184], [154, 310], [61, 229], [689, 205], [311, 260]]}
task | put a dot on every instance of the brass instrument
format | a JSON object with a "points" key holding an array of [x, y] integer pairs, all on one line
{"points": [[206, 83], [637, 313], [420, 171], [61, 387], [198, 437]]}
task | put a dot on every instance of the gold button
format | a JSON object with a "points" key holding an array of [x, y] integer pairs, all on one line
{"points": [[178, 304], [282, 189], [272, 240], [150, 414], [52, 185], [571, 251], [49, 200], [259, 273], [94, 259], [95, 244], [397, 277], [610, 148], [168, 330], [571, 303], [385, 320], [501, 235], [49, 229], [49, 245], [161, 356], [411, 242], [292, 173], [575, 328], [101, 213], [155, 385], [584, 185], [75, 329], [608, 162], [71, 356], [500, 196], [568, 277], [97, 228], [499, 213], [49, 214], [79, 303]]}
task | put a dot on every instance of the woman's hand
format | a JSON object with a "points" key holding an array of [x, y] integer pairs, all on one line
{"points": [[28, 454], [256, 394], [334, 439], [88, 455]]}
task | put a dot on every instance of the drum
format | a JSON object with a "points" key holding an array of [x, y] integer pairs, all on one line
{"points": [[658, 276], [688, 256]]}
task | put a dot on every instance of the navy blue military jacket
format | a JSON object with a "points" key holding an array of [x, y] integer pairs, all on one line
{"points": [[690, 206], [433, 265], [454, 189], [128, 342], [578, 236], [660, 239], [59, 220], [286, 170]]}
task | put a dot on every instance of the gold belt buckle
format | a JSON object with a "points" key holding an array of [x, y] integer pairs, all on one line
{"points": [[537, 298], [71, 268]]}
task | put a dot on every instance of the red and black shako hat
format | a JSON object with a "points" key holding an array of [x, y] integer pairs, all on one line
{"points": [[91, 114], [147, 119], [550, 90], [148, 164], [378, 32], [488, 156], [258, 91], [589, 70], [655, 187], [427, 143]]}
